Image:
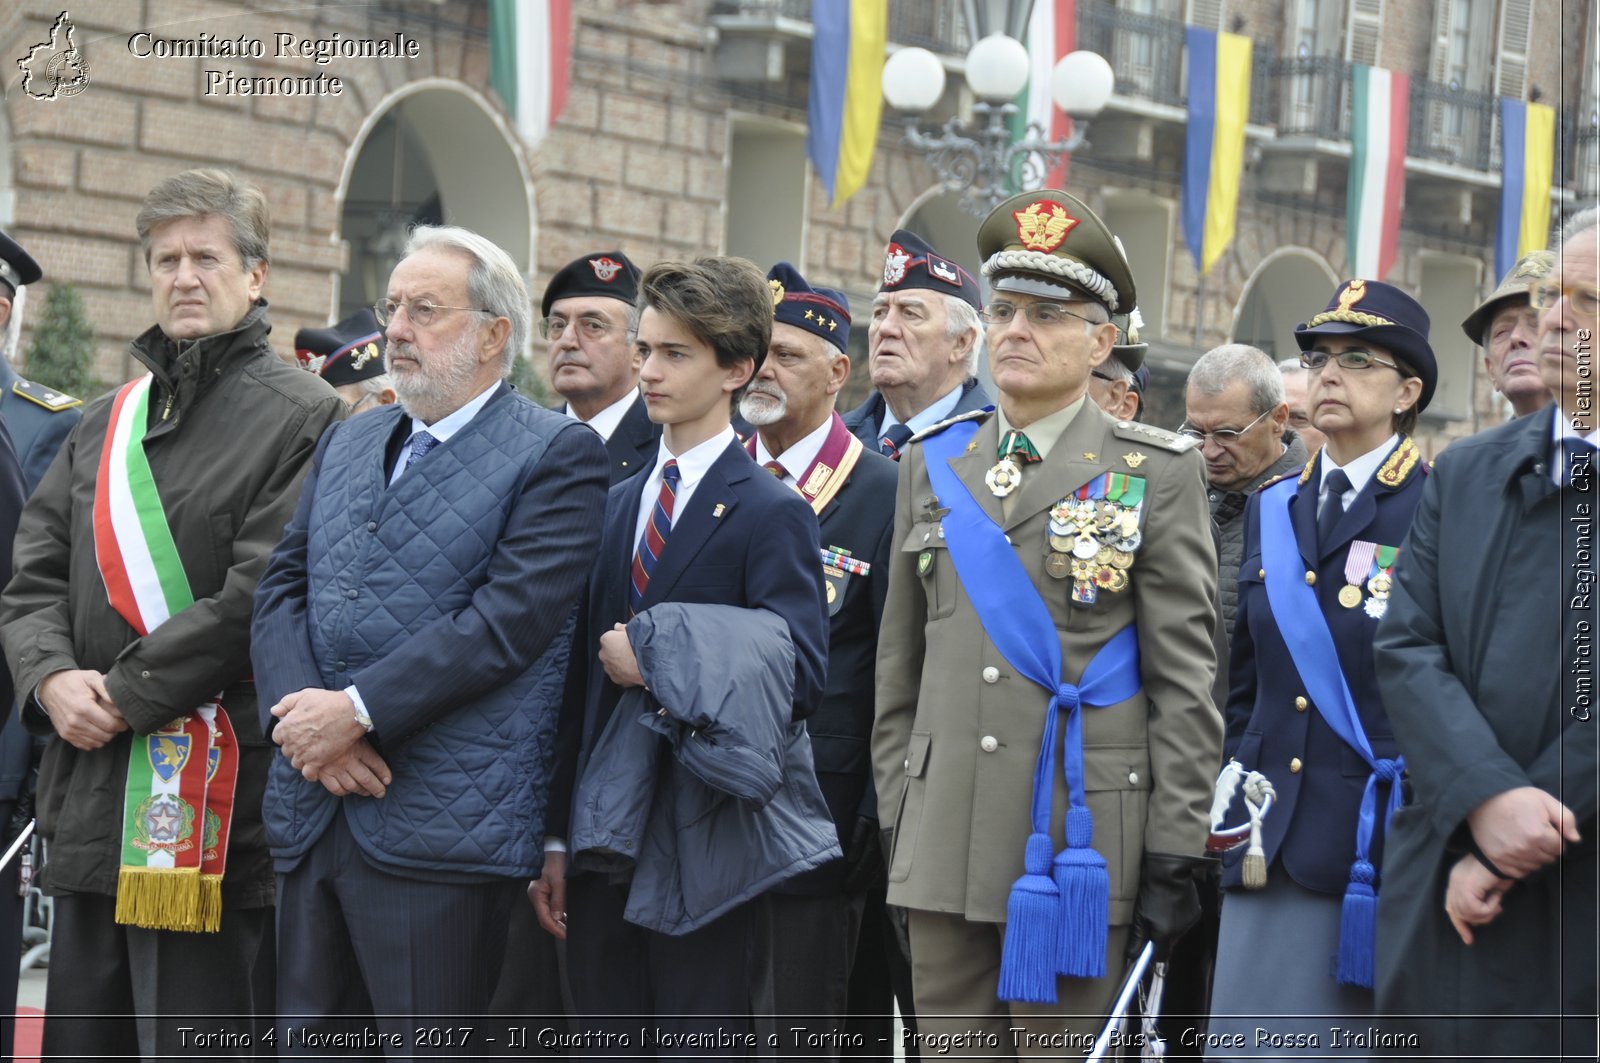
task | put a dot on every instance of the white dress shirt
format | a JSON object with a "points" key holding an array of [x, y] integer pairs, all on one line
{"points": [[798, 458], [692, 467], [1360, 470], [605, 422]]}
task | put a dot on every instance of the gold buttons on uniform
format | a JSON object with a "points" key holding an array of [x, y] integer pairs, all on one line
{"points": [[1294, 766], [1300, 704], [1261, 573], [991, 674], [1311, 579], [988, 743]]}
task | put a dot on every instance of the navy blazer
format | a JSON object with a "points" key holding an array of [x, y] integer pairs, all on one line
{"points": [[864, 420], [1273, 722], [632, 446], [744, 539], [37, 432]]}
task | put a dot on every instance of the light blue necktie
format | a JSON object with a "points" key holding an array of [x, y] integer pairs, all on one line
{"points": [[421, 443]]}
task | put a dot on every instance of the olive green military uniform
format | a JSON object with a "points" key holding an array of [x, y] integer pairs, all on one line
{"points": [[958, 729]]}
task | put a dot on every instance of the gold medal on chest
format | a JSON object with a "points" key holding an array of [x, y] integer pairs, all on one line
{"points": [[1350, 596], [1004, 477]]}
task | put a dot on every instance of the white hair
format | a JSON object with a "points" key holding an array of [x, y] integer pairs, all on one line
{"points": [[959, 318], [1578, 224], [493, 282], [1116, 369]]}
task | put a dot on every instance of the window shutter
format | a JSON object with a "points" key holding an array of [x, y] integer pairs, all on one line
{"points": [[1364, 31], [1511, 72], [1206, 13]]}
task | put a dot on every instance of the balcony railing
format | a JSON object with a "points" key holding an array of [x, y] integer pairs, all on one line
{"points": [[1585, 172], [1312, 97], [1452, 125], [936, 25], [1147, 55]]}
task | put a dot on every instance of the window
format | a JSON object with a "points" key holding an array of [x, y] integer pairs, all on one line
{"points": [[1144, 224], [767, 187]]}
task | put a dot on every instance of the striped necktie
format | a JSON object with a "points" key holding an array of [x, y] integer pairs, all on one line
{"points": [[893, 439], [654, 539], [775, 468]]}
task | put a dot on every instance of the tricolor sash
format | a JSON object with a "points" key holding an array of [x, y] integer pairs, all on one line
{"points": [[828, 471], [178, 802], [1059, 910], [1298, 614]]}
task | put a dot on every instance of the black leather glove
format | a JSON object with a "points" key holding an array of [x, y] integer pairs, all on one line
{"points": [[1168, 904], [863, 857]]}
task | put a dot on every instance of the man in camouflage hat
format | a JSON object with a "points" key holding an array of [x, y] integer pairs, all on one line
{"points": [[1507, 329], [1015, 526]]}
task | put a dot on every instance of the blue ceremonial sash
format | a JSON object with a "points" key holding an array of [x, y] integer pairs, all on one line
{"points": [[1304, 628], [1054, 925]]}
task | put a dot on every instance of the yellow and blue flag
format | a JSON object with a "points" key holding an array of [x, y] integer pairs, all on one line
{"points": [[1213, 157], [849, 39], [1527, 166]]}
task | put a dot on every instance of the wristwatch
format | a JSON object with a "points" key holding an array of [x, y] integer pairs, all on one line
{"points": [[362, 717]]}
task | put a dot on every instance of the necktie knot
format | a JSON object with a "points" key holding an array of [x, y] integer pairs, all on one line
{"points": [[670, 472], [1015, 444], [421, 443], [775, 468], [894, 437], [1336, 485]]}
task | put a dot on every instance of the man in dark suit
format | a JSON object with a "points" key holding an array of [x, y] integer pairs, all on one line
{"points": [[38, 417], [1488, 912], [809, 932], [589, 320], [923, 346], [411, 635], [704, 524]]}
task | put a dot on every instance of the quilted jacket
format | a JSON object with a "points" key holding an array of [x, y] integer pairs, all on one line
{"points": [[700, 787], [387, 573]]}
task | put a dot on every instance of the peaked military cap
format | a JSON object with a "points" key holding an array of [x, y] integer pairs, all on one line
{"points": [[1129, 349], [17, 267], [821, 311], [1513, 291], [608, 274], [346, 353], [1050, 244], [1385, 315], [911, 262]]}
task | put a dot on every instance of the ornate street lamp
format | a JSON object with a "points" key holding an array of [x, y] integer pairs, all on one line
{"points": [[978, 158]]}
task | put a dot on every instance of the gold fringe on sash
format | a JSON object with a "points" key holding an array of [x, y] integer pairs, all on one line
{"points": [[169, 899]]}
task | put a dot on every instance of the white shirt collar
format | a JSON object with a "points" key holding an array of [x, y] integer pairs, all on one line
{"points": [[1360, 470], [942, 408], [798, 458], [605, 422], [692, 463], [447, 426]]}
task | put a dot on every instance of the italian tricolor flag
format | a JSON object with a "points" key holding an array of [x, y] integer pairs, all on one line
{"points": [[1379, 117], [530, 58], [1052, 33]]}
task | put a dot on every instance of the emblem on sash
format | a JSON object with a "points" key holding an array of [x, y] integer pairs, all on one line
{"points": [[1094, 535]]}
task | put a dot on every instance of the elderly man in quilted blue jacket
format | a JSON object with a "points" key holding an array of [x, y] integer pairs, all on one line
{"points": [[411, 636]]}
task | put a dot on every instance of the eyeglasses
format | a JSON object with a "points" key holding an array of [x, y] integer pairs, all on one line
{"points": [[420, 312], [589, 328], [1355, 359], [1042, 314], [1222, 437], [1101, 376], [1585, 298]]}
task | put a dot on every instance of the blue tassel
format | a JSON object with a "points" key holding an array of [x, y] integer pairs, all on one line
{"points": [[1027, 960], [1358, 927], [1085, 889]]}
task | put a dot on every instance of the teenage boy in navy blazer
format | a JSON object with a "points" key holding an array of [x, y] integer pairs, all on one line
{"points": [[731, 534]]}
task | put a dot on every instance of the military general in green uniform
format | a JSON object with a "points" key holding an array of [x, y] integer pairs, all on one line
{"points": [[1053, 576]]}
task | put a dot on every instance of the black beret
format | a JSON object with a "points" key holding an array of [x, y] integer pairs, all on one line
{"points": [[608, 274], [911, 262]]}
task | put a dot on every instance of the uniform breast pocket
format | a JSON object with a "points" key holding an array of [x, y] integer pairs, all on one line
{"points": [[934, 569]]}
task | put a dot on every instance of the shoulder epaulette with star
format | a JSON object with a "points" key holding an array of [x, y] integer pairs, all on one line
{"points": [[1145, 433], [932, 430], [49, 398], [1282, 476]]}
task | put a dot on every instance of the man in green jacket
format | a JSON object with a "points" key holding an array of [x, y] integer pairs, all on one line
{"points": [[126, 628]]}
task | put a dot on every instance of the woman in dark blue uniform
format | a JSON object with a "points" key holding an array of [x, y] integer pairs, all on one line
{"points": [[1303, 706]]}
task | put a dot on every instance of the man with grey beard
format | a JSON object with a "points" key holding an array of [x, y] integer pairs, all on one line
{"points": [[411, 638], [809, 930]]}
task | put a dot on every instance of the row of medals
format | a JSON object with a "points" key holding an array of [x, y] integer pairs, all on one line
{"points": [[1092, 541]]}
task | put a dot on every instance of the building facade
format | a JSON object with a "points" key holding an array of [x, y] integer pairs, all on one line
{"points": [[683, 133]]}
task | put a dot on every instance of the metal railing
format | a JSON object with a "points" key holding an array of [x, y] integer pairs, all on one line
{"points": [[1453, 125], [1584, 172], [1147, 56], [936, 25], [1312, 97]]}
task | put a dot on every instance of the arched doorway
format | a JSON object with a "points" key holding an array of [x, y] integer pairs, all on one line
{"points": [[1289, 286], [433, 152]]}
